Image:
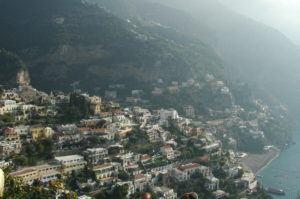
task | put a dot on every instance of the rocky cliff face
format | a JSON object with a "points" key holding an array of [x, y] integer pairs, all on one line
{"points": [[10, 66], [23, 78]]}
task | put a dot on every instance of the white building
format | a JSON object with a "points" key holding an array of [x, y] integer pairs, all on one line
{"points": [[165, 193], [105, 170], [168, 152], [168, 114], [95, 155], [8, 106], [212, 147], [21, 130], [213, 183], [220, 194], [84, 197], [193, 168], [140, 181], [8, 148], [179, 175]]}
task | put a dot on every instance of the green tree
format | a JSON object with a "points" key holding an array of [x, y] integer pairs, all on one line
{"points": [[123, 175], [120, 192]]}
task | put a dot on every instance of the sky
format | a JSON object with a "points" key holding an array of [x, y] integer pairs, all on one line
{"points": [[283, 15]]}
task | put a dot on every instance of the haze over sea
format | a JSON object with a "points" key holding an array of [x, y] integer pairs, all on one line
{"points": [[284, 172]]}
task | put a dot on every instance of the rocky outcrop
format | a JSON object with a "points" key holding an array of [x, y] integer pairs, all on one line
{"points": [[23, 78]]}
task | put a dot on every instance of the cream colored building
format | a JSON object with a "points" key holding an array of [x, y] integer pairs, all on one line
{"points": [[43, 173], [8, 106], [95, 104], [168, 152], [8, 148], [104, 170], [71, 163]]}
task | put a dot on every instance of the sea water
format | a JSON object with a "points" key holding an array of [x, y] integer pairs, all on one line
{"points": [[284, 171]]}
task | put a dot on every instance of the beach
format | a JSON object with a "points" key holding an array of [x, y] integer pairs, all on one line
{"points": [[256, 162]]}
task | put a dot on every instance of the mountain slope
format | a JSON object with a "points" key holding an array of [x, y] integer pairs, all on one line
{"points": [[253, 52], [63, 41]]}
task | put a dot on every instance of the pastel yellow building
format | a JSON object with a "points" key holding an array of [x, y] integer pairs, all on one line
{"points": [[40, 132], [95, 104]]}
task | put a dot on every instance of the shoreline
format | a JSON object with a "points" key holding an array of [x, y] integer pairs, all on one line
{"points": [[270, 161], [258, 162]]}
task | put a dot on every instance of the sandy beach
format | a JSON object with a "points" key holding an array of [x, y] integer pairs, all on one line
{"points": [[256, 162]]}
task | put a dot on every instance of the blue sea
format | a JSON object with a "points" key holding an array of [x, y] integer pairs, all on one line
{"points": [[284, 171]]}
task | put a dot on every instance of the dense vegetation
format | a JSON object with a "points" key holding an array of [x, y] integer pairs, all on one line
{"points": [[10, 65], [67, 41], [33, 152], [76, 109]]}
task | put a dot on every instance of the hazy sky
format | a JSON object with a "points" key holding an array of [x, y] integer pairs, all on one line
{"points": [[284, 15]]}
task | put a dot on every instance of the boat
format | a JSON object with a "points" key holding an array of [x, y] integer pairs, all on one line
{"points": [[259, 176], [275, 191]]}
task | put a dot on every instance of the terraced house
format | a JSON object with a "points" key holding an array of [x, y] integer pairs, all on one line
{"points": [[95, 155], [71, 163], [43, 173]]}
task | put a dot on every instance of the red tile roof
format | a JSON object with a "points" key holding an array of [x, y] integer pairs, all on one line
{"points": [[9, 130], [118, 111], [189, 166], [205, 157], [146, 157], [84, 129]]}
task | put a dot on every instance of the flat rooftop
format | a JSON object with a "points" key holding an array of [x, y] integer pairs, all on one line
{"points": [[68, 157]]}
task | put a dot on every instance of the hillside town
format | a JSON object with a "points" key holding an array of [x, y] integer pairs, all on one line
{"points": [[96, 147]]}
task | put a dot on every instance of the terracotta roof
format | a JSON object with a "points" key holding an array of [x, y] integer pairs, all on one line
{"points": [[132, 165], [167, 147], [102, 166], [84, 130], [9, 130], [118, 111], [189, 166], [106, 179], [146, 157], [205, 157]]}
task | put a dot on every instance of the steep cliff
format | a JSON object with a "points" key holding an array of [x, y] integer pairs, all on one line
{"points": [[13, 70]]}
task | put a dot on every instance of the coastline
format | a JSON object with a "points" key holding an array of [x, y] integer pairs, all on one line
{"points": [[257, 162]]}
